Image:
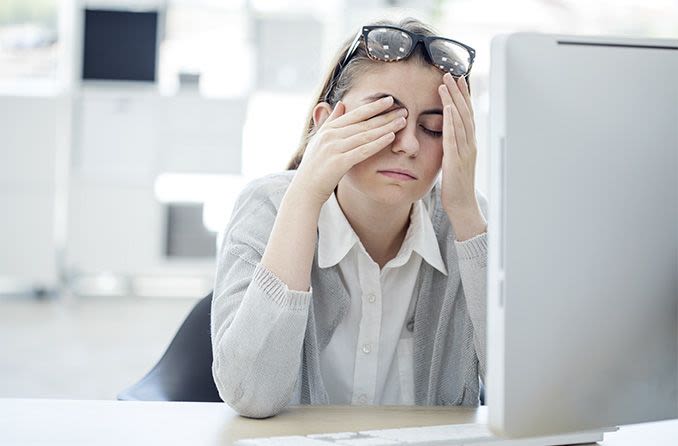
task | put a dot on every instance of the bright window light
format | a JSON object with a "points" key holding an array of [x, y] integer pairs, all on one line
{"points": [[217, 193], [272, 131]]}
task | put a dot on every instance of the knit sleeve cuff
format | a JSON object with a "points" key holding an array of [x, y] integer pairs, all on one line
{"points": [[274, 288], [472, 248]]}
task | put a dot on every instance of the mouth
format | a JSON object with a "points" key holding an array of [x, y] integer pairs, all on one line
{"points": [[398, 174]]}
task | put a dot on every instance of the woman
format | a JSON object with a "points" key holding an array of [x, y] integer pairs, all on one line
{"points": [[356, 277]]}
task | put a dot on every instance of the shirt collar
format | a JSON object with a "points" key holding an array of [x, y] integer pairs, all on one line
{"points": [[335, 234], [420, 238], [336, 237]]}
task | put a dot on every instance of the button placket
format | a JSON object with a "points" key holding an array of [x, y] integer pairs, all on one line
{"points": [[365, 376]]}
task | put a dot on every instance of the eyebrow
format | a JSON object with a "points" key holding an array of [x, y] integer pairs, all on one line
{"points": [[399, 103]]}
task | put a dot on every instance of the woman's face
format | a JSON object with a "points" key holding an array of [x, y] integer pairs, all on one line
{"points": [[417, 147]]}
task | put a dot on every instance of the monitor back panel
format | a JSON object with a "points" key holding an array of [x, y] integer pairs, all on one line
{"points": [[583, 233]]}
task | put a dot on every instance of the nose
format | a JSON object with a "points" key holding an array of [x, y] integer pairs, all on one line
{"points": [[406, 140]]}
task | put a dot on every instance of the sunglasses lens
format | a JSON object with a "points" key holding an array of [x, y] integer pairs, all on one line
{"points": [[388, 44], [450, 57]]}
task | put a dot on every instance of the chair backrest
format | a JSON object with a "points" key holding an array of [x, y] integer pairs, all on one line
{"points": [[184, 373]]}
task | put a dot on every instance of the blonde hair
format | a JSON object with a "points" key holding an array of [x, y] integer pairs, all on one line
{"points": [[359, 63]]}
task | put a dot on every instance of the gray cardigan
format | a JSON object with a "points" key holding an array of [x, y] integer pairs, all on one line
{"points": [[267, 339]]}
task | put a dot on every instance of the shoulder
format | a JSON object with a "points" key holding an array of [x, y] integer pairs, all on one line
{"points": [[267, 189], [255, 210]]}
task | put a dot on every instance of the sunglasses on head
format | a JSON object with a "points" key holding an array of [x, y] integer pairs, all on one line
{"points": [[391, 44]]}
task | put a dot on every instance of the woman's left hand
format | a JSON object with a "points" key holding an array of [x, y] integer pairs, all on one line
{"points": [[459, 158]]}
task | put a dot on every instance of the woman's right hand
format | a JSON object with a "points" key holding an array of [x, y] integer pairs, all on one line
{"points": [[344, 140]]}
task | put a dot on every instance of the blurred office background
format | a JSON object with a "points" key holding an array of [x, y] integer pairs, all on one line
{"points": [[127, 129]]}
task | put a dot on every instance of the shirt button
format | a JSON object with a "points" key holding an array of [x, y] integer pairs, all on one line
{"points": [[362, 399], [367, 348], [371, 298], [410, 325]]}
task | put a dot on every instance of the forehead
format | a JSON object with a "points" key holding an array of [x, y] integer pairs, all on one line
{"points": [[414, 84]]}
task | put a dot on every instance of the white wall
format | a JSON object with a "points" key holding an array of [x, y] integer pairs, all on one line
{"points": [[29, 137], [112, 220], [125, 136]]}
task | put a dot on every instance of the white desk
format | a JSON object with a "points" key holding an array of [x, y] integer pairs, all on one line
{"points": [[68, 422]]}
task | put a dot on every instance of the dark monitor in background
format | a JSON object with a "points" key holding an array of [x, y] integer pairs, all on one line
{"points": [[120, 45]]}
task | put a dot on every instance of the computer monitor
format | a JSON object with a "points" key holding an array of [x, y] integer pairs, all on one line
{"points": [[583, 233], [120, 45]]}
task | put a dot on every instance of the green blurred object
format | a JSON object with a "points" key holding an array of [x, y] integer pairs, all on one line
{"points": [[44, 12]]}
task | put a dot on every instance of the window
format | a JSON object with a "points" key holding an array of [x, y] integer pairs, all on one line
{"points": [[29, 43], [209, 42]]}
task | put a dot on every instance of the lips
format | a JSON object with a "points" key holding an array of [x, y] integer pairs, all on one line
{"points": [[400, 171]]}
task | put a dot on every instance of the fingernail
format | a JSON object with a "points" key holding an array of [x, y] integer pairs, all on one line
{"points": [[447, 76], [402, 112], [386, 99]]}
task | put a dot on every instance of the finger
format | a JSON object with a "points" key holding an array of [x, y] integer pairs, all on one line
{"points": [[372, 123], [361, 153], [370, 135], [337, 111], [449, 133], [445, 96], [459, 131], [458, 128], [363, 112], [459, 102], [450, 147], [463, 86]]}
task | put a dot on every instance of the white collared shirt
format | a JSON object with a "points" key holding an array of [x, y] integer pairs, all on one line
{"points": [[369, 359]]}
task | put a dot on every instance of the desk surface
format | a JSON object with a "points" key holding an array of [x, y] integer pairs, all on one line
{"points": [[55, 422]]}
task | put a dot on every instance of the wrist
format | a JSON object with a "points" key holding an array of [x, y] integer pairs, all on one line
{"points": [[463, 212], [299, 197], [306, 188], [467, 222]]}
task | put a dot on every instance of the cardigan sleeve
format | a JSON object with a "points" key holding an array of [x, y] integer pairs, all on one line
{"points": [[257, 323], [472, 256]]}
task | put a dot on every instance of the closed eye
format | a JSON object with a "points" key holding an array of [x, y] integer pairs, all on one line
{"points": [[433, 133]]}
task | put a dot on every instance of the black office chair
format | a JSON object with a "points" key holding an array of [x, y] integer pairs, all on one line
{"points": [[184, 373]]}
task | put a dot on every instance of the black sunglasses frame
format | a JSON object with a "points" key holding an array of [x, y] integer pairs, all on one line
{"points": [[416, 40]]}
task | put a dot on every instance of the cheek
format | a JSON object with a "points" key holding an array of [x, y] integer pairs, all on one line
{"points": [[434, 156], [366, 165], [359, 172]]}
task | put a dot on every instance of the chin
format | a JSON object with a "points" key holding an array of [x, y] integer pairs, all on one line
{"points": [[387, 192], [391, 194]]}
